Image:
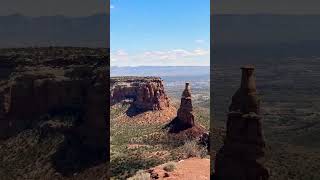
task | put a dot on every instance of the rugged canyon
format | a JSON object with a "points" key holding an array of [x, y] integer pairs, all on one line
{"points": [[50, 92], [38, 82]]}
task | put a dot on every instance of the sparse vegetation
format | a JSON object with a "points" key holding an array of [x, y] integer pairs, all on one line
{"points": [[39, 143], [193, 149], [169, 167], [140, 175], [137, 146], [30, 154]]}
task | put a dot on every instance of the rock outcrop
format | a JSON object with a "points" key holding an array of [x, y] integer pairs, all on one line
{"points": [[51, 81], [242, 154], [184, 123], [145, 93], [185, 112], [245, 99]]}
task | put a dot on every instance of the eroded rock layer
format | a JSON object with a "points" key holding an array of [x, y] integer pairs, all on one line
{"points": [[37, 82], [145, 93], [242, 154]]}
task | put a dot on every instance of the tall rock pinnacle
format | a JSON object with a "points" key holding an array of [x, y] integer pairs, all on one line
{"points": [[244, 145], [185, 112], [184, 123], [246, 100]]}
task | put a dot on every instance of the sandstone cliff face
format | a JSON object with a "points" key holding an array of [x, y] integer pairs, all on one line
{"points": [[51, 81], [244, 147], [146, 93]]}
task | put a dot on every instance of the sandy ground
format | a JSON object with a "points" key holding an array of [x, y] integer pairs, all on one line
{"points": [[188, 169]]}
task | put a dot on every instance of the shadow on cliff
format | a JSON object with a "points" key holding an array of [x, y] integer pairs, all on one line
{"points": [[72, 156], [134, 111], [175, 126]]}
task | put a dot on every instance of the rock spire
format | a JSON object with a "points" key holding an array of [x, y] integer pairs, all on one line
{"points": [[185, 112], [241, 156]]}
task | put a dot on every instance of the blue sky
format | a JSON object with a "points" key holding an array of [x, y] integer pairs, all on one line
{"points": [[160, 32]]}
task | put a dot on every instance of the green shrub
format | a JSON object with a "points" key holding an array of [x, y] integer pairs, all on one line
{"points": [[192, 149], [169, 167], [140, 175]]}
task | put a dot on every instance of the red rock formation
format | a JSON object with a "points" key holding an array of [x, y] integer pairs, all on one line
{"points": [[244, 146], [185, 112], [94, 128], [40, 87], [146, 93], [246, 99], [184, 124]]}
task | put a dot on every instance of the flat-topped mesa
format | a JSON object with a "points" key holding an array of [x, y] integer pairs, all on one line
{"points": [[244, 145], [146, 93], [55, 81], [246, 100], [185, 112]]}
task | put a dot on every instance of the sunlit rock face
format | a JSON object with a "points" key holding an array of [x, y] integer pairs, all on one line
{"points": [[185, 112], [145, 93]]}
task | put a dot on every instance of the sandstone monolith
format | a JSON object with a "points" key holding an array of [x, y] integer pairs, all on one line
{"points": [[242, 154], [185, 112]]}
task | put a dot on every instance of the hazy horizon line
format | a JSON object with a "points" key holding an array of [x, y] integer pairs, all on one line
{"points": [[268, 14], [166, 66], [57, 15], [106, 13]]}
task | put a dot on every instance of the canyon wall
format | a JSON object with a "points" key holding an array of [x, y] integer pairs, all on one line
{"points": [[39, 82]]}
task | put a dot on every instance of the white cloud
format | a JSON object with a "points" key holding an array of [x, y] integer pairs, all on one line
{"points": [[111, 6], [156, 58], [175, 54], [201, 52], [200, 41], [119, 55]]}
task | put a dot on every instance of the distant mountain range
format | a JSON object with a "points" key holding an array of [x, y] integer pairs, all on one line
{"points": [[21, 31], [162, 71]]}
